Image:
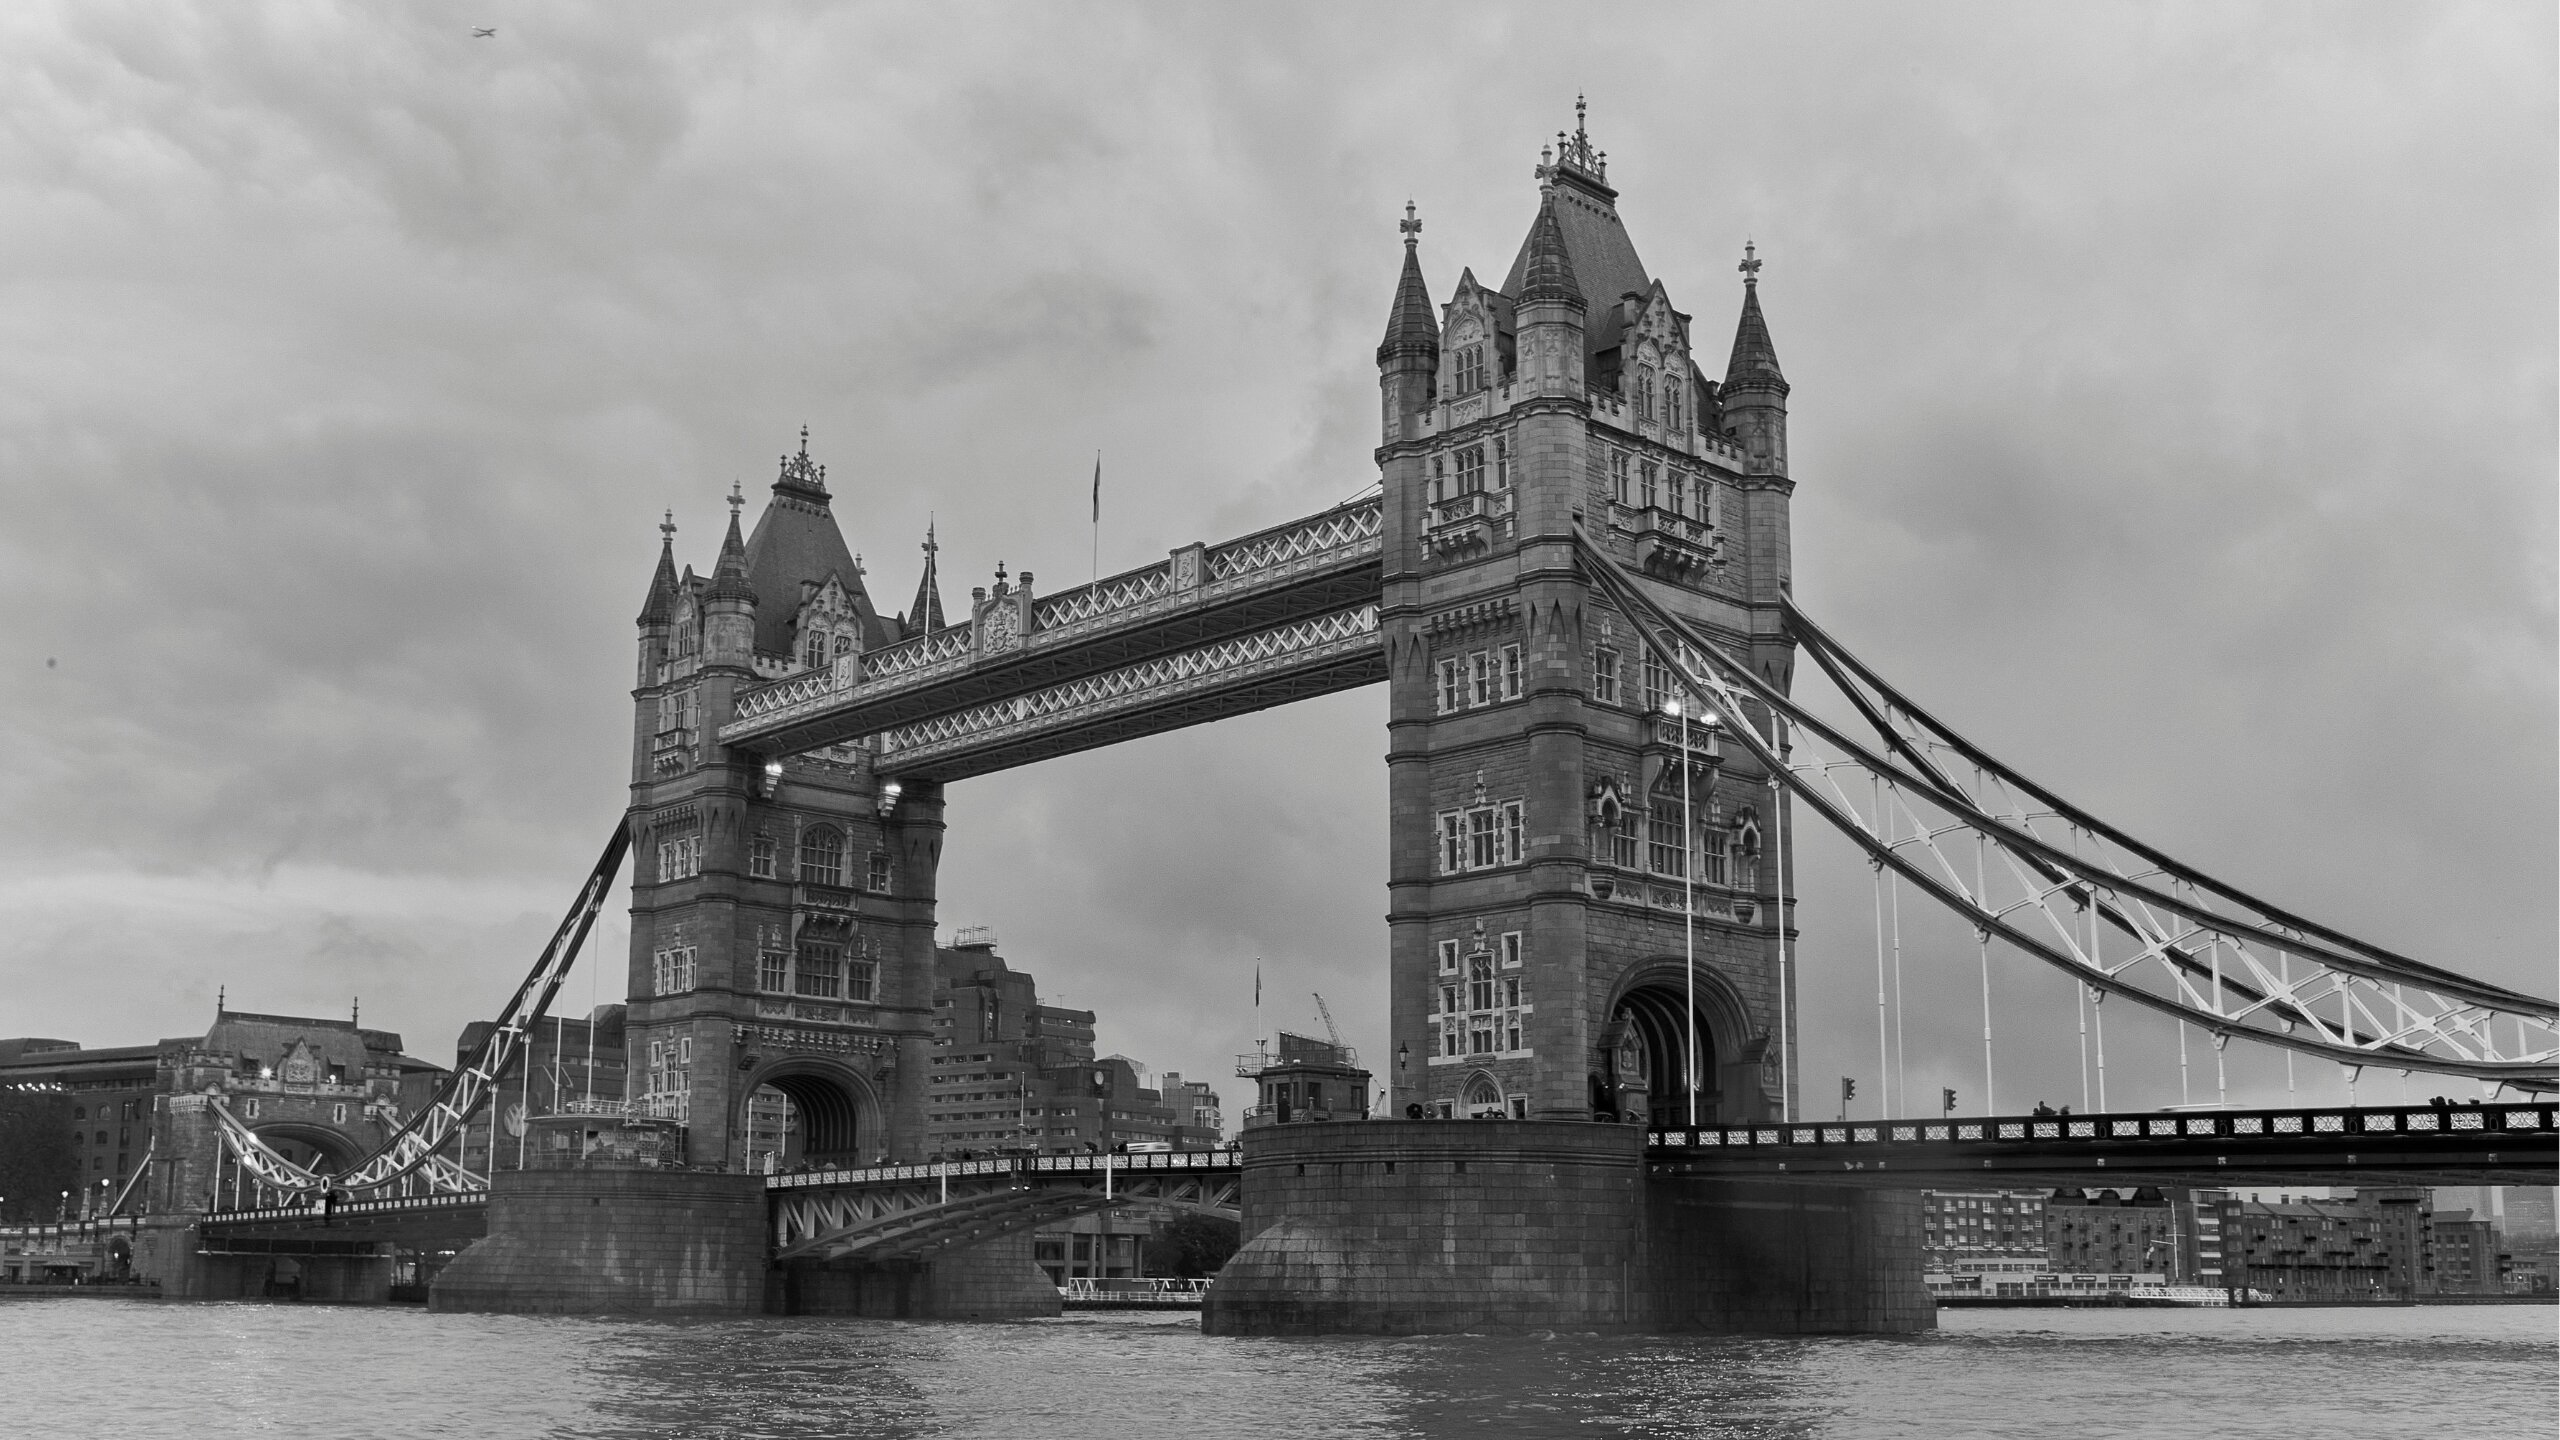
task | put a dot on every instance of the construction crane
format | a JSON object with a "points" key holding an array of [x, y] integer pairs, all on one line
{"points": [[1331, 1031]]}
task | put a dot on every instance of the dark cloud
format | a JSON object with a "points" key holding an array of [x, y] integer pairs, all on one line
{"points": [[2174, 410]]}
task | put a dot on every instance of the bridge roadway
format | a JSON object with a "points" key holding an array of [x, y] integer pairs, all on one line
{"points": [[907, 1211], [2474, 1144]]}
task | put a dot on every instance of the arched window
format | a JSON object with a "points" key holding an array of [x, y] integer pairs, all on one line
{"points": [[1644, 392], [822, 856], [688, 637], [1746, 854], [813, 651], [79, 1112], [1671, 404], [1483, 1097]]}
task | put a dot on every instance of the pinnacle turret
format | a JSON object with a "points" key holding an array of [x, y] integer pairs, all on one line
{"points": [[1411, 328], [729, 578], [1755, 358], [1547, 272], [660, 607], [926, 616]]}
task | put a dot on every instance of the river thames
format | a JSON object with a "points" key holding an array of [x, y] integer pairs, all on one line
{"points": [[78, 1367]]}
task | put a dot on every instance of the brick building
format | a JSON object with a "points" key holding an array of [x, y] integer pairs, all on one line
{"points": [[567, 1063], [2466, 1255], [323, 1093], [1964, 1226], [2373, 1245]]}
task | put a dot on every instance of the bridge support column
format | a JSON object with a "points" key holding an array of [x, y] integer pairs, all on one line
{"points": [[992, 1280], [599, 1241], [1417, 1227]]}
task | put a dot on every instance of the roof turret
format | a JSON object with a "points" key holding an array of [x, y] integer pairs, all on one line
{"points": [[1755, 359], [1411, 329], [660, 607], [1546, 271], [729, 579], [926, 616]]}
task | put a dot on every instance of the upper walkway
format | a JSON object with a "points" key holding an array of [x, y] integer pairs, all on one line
{"points": [[1212, 630]]}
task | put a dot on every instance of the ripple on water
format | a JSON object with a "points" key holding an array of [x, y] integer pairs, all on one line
{"points": [[82, 1367]]}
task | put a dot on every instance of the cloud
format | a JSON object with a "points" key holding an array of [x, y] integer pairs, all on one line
{"points": [[2173, 410]]}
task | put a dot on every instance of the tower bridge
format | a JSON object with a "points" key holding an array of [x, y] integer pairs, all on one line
{"points": [[1576, 582]]}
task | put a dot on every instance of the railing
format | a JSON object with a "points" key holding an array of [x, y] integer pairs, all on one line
{"points": [[1349, 529], [1257, 1116], [1147, 1162], [1107, 596], [2532, 1119], [1162, 1290]]}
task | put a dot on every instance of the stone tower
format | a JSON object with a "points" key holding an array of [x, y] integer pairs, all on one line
{"points": [[1548, 876], [782, 914]]}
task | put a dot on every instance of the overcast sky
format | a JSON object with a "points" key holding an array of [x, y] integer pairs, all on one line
{"points": [[2174, 410]]}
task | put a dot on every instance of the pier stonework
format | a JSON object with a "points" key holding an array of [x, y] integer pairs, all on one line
{"points": [[1426, 1227]]}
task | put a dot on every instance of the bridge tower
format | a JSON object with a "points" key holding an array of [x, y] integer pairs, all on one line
{"points": [[782, 914], [1547, 876]]}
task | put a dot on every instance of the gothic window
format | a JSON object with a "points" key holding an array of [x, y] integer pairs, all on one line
{"points": [[1657, 679], [1713, 864], [878, 879], [1453, 686], [1480, 679], [1453, 857], [1514, 846], [1675, 497], [773, 961], [671, 968], [1510, 952], [1618, 481], [1644, 392], [1671, 405], [675, 711], [1439, 479], [1652, 487], [679, 857], [688, 634], [820, 973], [861, 975], [822, 856], [1471, 375], [762, 857], [844, 646], [1666, 854], [1746, 855], [1510, 672], [1604, 675], [1449, 964], [1501, 464], [1482, 839], [1471, 470]]}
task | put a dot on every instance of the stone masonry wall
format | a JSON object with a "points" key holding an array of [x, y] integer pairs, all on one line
{"points": [[1784, 1259], [1416, 1227], [573, 1242]]}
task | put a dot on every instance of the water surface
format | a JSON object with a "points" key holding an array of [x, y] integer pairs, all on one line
{"points": [[77, 1367]]}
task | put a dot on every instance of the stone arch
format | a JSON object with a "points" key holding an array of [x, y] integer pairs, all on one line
{"points": [[839, 1109], [1481, 1095], [1645, 1046]]}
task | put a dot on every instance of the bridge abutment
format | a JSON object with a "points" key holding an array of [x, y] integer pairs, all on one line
{"points": [[1421, 1227]]}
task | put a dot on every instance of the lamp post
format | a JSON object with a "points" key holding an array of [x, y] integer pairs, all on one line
{"points": [[1688, 913], [1404, 1054]]}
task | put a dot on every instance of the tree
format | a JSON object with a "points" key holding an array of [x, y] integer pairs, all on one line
{"points": [[36, 1160], [1192, 1246]]}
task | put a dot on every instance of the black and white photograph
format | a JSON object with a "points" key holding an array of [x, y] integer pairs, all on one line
{"points": [[1114, 719]]}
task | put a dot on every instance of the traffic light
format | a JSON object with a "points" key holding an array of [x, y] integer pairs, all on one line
{"points": [[1946, 1102], [1848, 1092]]}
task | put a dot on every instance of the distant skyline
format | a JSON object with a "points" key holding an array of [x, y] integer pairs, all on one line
{"points": [[2173, 411]]}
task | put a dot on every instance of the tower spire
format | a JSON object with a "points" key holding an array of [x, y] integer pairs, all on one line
{"points": [[926, 615], [660, 606], [729, 580], [1548, 273], [1411, 327], [1755, 357]]}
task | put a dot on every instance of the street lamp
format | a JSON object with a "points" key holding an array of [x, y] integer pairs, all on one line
{"points": [[1672, 707], [1404, 1054]]}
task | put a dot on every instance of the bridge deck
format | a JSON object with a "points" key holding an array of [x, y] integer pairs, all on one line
{"points": [[2500, 1144]]}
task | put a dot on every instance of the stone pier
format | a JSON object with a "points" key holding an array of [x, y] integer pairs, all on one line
{"points": [[1416, 1227]]}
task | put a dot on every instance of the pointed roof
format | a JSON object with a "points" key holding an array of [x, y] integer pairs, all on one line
{"points": [[926, 616], [1603, 260], [660, 607], [1545, 269], [1755, 358], [729, 578], [1411, 329], [795, 541]]}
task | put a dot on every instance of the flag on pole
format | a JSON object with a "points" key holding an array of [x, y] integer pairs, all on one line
{"points": [[1097, 487], [1257, 984]]}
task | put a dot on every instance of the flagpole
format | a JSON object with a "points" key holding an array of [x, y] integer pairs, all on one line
{"points": [[1097, 525]]}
